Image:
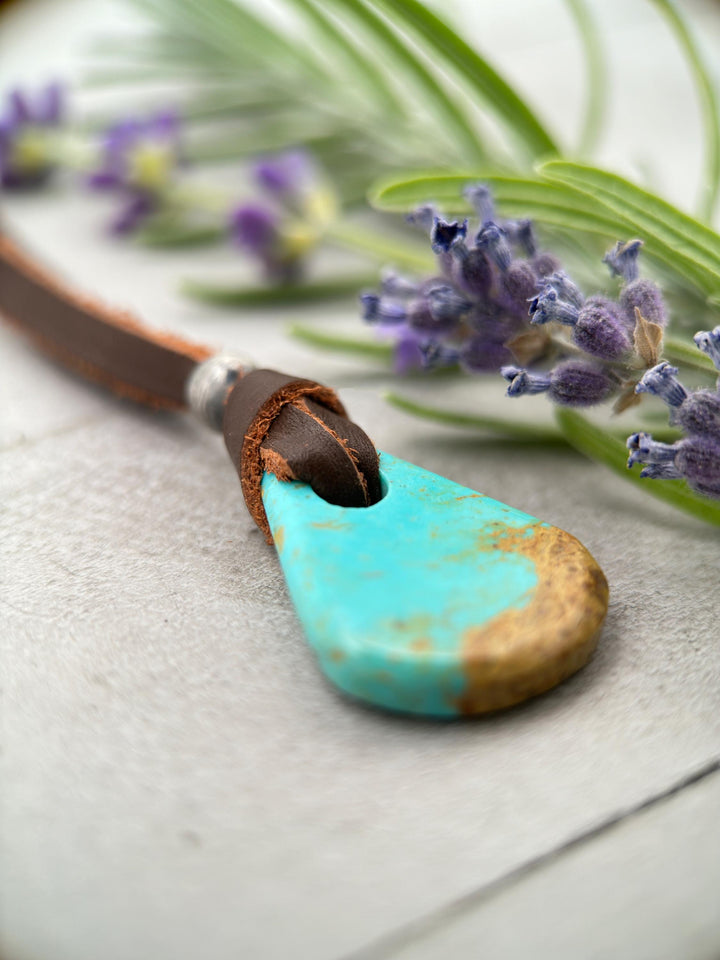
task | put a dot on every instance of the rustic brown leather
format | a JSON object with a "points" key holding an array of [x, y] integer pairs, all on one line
{"points": [[108, 346], [297, 430]]}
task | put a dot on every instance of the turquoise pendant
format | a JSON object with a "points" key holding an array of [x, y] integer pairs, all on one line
{"points": [[437, 600]]}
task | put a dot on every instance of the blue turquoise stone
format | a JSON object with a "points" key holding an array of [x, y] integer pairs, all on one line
{"points": [[437, 600]]}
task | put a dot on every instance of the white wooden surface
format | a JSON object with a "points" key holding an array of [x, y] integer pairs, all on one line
{"points": [[179, 782]]}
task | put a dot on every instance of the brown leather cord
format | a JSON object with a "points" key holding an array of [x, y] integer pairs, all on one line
{"points": [[294, 428], [297, 430], [107, 346]]}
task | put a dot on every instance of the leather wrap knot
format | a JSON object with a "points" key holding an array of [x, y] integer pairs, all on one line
{"points": [[298, 430]]}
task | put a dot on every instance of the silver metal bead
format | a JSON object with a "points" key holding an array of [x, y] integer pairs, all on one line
{"points": [[208, 385]]}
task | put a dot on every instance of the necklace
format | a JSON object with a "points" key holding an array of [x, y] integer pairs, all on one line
{"points": [[416, 594]]}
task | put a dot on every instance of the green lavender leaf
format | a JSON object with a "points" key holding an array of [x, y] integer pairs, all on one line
{"points": [[340, 343], [574, 200], [514, 429], [176, 235], [689, 356], [668, 232], [557, 204], [361, 68], [511, 429], [596, 95], [709, 105], [380, 246], [602, 447], [474, 70], [273, 295], [434, 95]]}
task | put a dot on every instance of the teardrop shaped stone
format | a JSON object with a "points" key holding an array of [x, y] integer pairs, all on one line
{"points": [[437, 600]]}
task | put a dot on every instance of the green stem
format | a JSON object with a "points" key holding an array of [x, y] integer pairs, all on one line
{"points": [[277, 294], [355, 346], [512, 429]]}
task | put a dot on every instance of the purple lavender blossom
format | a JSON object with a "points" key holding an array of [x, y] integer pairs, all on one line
{"points": [[27, 131], [483, 354], [662, 381], [407, 355], [623, 259], [477, 305], [549, 307], [285, 175], [573, 383], [698, 460], [281, 228], [492, 240], [480, 196], [446, 235], [695, 459], [600, 329], [699, 414], [138, 161], [709, 342], [645, 296]]}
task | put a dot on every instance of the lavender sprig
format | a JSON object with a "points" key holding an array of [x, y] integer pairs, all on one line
{"points": [[283, 225], [696, 457]]}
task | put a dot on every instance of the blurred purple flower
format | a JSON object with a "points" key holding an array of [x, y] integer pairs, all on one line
{"points": [[285, 221], [285, 175], [138, 160], [27, 129]]}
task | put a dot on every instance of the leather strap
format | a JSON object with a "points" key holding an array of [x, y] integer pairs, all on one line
{"points": [[294, 428], [297, 430], [107, 346]]}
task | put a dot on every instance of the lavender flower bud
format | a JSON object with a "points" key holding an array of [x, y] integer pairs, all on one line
{"points": [[474, 270], [439, 311], [578, 384], [445, 235], [600, 330], [646, 296], [545, 264], [407, 355], [519, 285], [382, 311], [547, 307], [254, 227], [561, 283], [522, 233], [659, 458], [394, 285], [480, 196], [435, 354], [709, 342], [661, 382], [523, 382], [698, 460], [491, 239], [622, 259], [482, 354], [284, 175], [423, 217], [699, 414]]}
